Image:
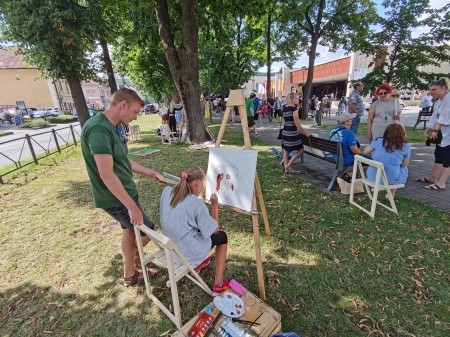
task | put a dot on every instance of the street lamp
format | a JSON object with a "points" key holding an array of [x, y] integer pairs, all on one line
{"points": [[208, 56]]}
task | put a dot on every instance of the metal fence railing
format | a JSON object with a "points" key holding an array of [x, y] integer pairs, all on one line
{"points": [[23, 151]]}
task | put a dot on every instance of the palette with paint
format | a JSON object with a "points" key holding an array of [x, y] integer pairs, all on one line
{"points": [[230, 305]]}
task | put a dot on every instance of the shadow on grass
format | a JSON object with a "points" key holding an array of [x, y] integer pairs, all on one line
{"points": [[77, 193], [32, 310]]}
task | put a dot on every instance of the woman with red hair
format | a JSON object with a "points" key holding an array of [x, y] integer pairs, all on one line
{"points": [[384, 111]]}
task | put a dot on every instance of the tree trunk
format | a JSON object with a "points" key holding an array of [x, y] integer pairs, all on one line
{"points": [[183, 64], [316, 32], [108, 66], [78, 99], [269, 60]]}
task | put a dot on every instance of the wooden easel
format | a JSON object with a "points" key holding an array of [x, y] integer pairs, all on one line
{"points": [[236, 98]]}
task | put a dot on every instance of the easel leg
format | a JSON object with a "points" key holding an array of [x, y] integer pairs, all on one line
{"points": [[259, 266], [262, 205], [223, 126]]}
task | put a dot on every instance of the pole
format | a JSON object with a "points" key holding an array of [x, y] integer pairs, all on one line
{"points": [[56, 140], [33, 154], [209, 97], [73, 135], [209, 90]]}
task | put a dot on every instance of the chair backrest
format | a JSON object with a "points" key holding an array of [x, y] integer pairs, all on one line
{"points": [[369, 162], [165, 130], [158, 238]]}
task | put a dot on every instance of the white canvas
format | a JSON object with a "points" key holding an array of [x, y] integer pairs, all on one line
{"points": [[231, 175]]}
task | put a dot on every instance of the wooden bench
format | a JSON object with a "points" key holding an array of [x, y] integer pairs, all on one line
{"points": [[424, 116], [323, 149]]}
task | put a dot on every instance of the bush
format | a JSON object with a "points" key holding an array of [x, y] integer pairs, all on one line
{"points": [[62, 119], [34, 124]]}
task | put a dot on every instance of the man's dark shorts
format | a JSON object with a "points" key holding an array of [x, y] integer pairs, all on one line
{"points": [[251, 121], [442, 155], [120, 213]]}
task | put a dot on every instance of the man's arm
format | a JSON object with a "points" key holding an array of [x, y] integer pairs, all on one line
{"points": [[355, 149], [138, 168], [352, 107], [104, 164]]}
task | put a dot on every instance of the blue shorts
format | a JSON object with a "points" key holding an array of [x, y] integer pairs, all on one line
{"points": [[120, 213]]}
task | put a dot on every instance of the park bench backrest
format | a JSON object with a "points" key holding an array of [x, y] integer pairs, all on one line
{"points": [[322, 144]]}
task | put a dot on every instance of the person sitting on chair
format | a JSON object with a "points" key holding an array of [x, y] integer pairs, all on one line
{"points": [[394, 152], [186, 221]]}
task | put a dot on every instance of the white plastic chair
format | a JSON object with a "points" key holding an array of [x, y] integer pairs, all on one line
{"points": [[376, 185], [167, 136], [134, 132], [164, 257]]}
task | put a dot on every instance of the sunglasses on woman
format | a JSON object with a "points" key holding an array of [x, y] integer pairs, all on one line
{"points": [[382, 93]]}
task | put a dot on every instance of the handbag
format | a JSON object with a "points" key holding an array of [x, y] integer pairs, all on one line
{"points": [[280, 132], [436, 141]]}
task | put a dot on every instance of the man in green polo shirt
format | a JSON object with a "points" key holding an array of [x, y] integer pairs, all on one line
{"points": [[111, 173], [250, 117]]}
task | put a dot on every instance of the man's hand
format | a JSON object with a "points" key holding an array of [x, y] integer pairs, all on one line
{"points": [[136, 216], [157, 177], [307, 133]]}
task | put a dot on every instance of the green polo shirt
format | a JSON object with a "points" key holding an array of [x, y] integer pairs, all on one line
{"points": [[100, 136], [248, 106]]}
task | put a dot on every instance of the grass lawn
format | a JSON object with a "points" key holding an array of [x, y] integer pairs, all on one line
{"points": [[413, 136], [330, 270], [5, 133]]}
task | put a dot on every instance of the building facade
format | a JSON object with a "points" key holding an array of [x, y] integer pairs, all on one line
{"points": [[22, 82]]}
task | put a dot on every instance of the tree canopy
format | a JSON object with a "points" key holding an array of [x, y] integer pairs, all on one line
{"points": [[412, 35], [328, 23], [54, 35]]}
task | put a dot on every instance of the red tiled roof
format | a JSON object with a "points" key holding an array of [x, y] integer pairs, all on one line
{"points": [[9, 59]]}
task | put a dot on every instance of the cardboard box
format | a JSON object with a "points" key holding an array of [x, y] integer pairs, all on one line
{"points": [[266, 316]]}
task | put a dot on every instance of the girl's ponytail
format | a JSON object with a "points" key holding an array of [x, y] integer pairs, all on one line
{"points": [[182, 189]]}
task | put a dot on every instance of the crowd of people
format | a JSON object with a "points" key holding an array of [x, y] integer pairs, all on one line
{"points": [[185, 219], [386, 134]]}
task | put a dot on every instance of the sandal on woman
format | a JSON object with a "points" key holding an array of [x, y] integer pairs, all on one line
{"points": [[434, 187], [424, 180], [292, 172]]}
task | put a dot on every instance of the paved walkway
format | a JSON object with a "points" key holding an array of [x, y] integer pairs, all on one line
{"points": [[318, 172]]}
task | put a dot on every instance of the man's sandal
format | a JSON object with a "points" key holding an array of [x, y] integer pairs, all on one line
{"points": [[137, 277], [131, 281], [137, 261]]}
